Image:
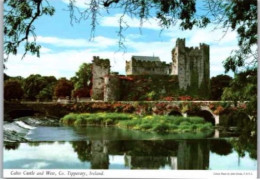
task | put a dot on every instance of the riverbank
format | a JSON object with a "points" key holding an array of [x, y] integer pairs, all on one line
{"points": [[157, 123]]}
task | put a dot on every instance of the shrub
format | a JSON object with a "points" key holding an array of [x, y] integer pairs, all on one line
{"points": [[145, 126], [69, 119], [161, 128]]}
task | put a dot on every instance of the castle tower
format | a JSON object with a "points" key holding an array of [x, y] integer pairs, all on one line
{"points": [[112, 87], [100, 69], [192, 67]]}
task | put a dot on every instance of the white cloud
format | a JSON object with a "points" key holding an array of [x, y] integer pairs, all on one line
{"points": [[67, 62], [78, 3], [113, 21], [63, 64], [209, 36], [99, 41], [42, 153], [45, 50]]}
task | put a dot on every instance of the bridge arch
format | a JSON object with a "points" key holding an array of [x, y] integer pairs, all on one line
{"points": [[174, 113], [206, 114]]}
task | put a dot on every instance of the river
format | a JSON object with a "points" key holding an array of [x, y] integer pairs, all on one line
{"points": [[51, 146]]}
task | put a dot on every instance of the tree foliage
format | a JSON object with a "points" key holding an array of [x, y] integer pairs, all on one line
{"points": [[244, 88], [63, 88], [13, 90], [82, 92], [37, 86], [82, 81], [47, 92], [19, 17], [218, 84], [242, 17], [83, 76], [237, 15]]}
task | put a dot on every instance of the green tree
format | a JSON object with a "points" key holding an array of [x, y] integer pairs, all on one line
{"points": [[37, 86], [13, 90], [82, 80], [47, 92], [242, 17], [63, 88], [244, 88], [239, 15], [83, 76], [218, 84], [19, 17], [32, 85]]}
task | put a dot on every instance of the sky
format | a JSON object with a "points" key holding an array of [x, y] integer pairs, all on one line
{"points": [[65, 47]]}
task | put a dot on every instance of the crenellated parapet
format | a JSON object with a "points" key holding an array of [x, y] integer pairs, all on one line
{"points": [[191, 64]]}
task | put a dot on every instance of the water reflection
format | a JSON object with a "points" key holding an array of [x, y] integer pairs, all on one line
{"points": [[127, 154]]}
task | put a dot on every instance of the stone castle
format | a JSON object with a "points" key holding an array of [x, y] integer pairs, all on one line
{"points": [[189, 66]]}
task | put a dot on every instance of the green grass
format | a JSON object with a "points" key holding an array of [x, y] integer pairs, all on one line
{"points": [[161, 124]]}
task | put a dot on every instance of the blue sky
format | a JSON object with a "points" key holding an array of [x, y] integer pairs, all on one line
{"points": [[66, 47]]}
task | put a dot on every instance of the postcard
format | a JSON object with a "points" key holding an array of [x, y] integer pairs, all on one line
{"points": [[129, 89]]}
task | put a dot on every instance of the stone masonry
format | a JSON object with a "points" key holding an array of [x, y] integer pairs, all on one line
{"points": [[147, 65], [100, 69], [189, 64]]}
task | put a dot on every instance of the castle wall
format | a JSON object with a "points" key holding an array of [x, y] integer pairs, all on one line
{"points": [[148, 87], [192, 67], [100, 69], [136, 67], [112, 88], [152, 79]]}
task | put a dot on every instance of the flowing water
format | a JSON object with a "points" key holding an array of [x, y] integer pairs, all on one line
{"points": [[60, 147]]}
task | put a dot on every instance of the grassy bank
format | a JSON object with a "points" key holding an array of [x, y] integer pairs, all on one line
{"points": [[163, 124]]}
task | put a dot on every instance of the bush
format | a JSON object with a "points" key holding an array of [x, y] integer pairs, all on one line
{"points": [[161, 128], [145, 126]]}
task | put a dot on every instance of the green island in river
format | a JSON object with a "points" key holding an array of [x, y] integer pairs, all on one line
{"points": [[156, 123]]}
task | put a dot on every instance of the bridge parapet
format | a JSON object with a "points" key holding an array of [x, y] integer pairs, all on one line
{"points": [[55, 109]]}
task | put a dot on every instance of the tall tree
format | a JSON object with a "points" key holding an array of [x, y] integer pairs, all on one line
{"points": [[244, 88], [83, 76], [82, 81], [32, 85], [48, 91], [63, 88], [217, 85], [13, 89], [37, 86]]}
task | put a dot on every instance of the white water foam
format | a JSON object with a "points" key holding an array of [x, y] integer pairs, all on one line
{"points": [[23, 125]]}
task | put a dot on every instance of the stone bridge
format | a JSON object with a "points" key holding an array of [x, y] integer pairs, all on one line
{"points": [[209, 110]]}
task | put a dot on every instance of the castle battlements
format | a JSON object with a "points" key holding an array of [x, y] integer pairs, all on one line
{"points": [[189, 64]]}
